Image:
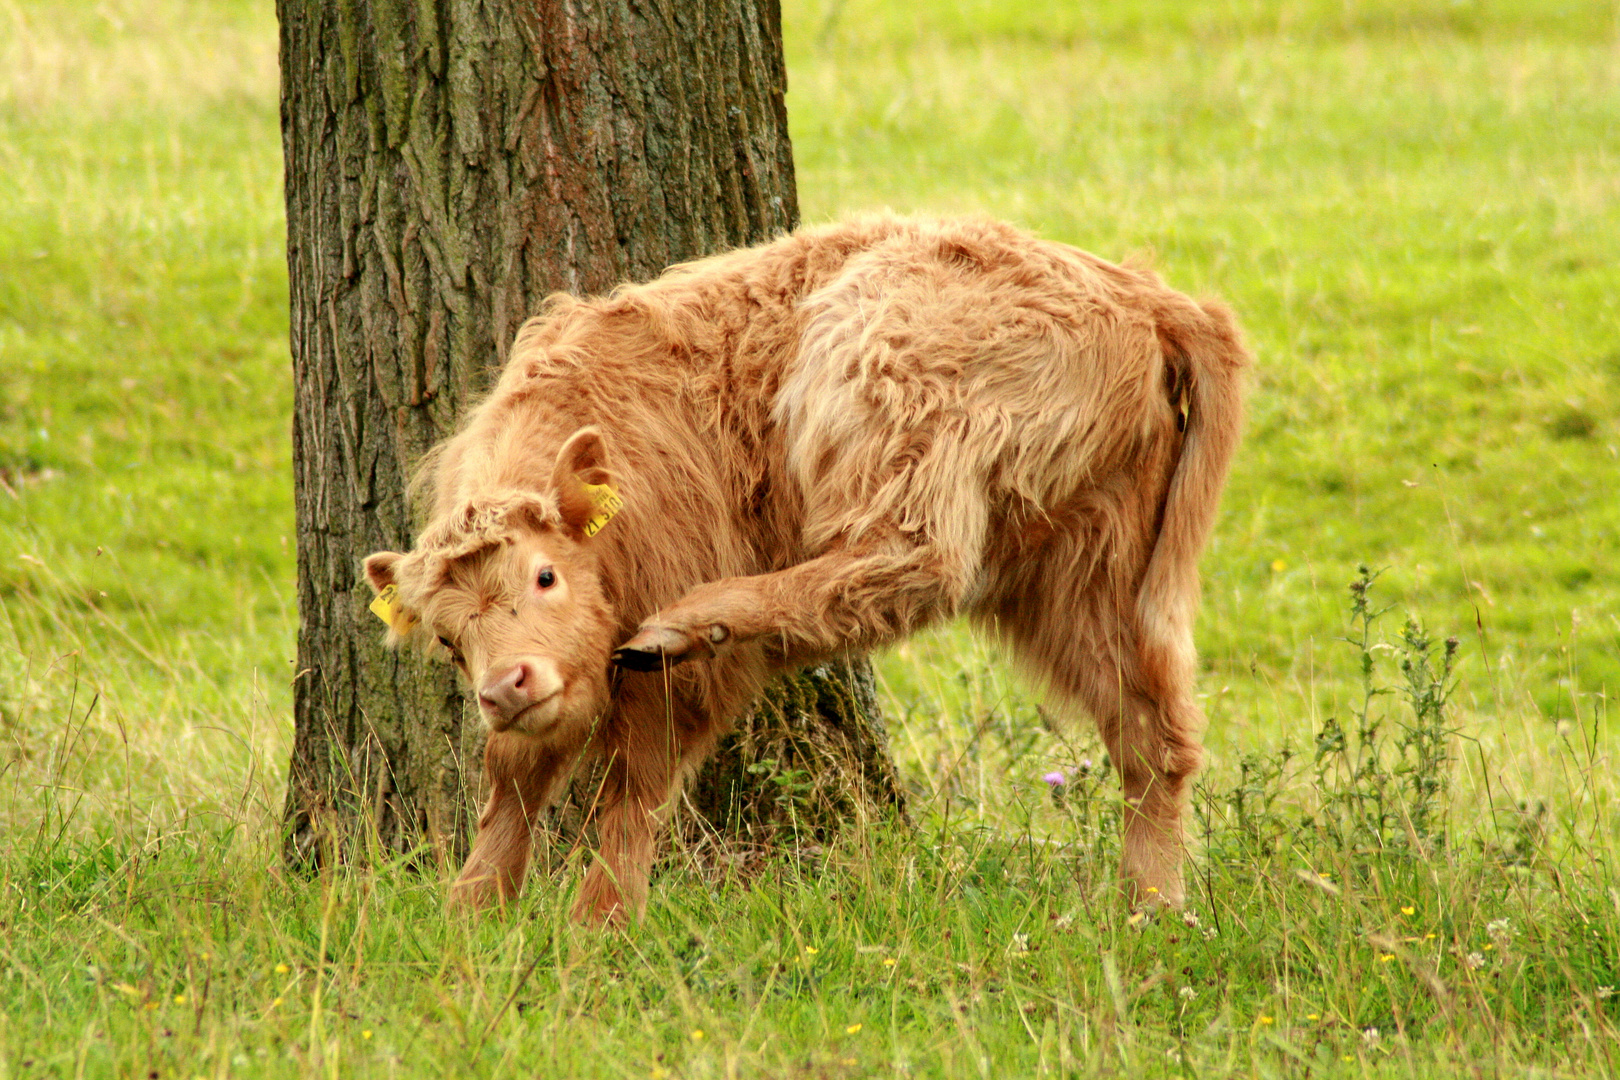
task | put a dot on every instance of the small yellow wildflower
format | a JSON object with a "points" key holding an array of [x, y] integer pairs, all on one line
{"points": [[1278, 566], [852, 1029], [697, 1034], [179, 999], [1313, 1016], [282, 969], [1265, 1021], [205, 957], [890, 961], [1408, 911], [1152, 891], [810, 950], [1428, 937], [1386, 958], [1489, 946], [365, 1034], [275, 1003]]}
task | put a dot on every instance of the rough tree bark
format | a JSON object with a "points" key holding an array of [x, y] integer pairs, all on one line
{"points": [[448, 165]]}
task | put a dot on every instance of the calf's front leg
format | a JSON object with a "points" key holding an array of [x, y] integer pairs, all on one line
{"points": [[523, 774], [650, 745], [615, 886]]}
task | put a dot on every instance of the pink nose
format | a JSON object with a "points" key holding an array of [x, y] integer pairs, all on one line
{"points": [[506, 692]]}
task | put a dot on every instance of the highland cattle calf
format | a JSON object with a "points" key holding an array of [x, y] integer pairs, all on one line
{"points": [[813, 447]]}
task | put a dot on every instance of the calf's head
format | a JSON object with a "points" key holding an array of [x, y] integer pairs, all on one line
{"points": [[508, 585]]}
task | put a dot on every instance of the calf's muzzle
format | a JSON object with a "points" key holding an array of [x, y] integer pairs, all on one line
{"points": [[509, 689]]}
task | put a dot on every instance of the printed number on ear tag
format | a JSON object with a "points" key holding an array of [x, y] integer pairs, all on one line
{"points": [[388, 608], [607, 503]]}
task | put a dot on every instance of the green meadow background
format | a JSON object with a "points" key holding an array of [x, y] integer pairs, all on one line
{"points": [[1414, 208]]}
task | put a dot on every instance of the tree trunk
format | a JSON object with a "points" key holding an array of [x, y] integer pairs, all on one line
{"points": [[448, 165]]}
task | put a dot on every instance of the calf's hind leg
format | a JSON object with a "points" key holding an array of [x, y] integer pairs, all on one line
{"points": [[1151, 726], [838, 601], [1156, 759]]}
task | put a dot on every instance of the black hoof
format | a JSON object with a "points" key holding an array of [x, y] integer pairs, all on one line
{"points": [[639, 659]]}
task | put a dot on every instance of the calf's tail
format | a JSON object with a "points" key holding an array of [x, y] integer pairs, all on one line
{"points": [[1206, 359]]}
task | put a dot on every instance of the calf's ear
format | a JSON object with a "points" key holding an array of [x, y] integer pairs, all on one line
{"points": [[387, 605], [380, 569], [578, 476]]}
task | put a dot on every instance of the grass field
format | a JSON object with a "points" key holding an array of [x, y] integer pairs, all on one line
{"points": [[1413, 207]]}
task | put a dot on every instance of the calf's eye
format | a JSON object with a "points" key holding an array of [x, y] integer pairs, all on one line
{"points": [[546, 579]]}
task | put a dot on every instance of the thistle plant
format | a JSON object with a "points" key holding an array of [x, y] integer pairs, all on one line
{"points": [[1383, 782], [1378, 777]]}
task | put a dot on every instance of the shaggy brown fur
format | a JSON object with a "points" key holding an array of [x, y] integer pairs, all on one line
{"points": [[823, 444]]}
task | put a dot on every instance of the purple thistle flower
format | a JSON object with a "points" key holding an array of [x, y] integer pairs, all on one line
{"points": [[1055, 779]]}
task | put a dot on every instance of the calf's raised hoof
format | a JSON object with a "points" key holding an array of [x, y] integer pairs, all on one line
{"points": [[640, 659], [655, 647]]}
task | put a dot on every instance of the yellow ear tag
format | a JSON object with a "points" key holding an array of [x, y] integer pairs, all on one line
{"points": [[388, 608], [607, 503]]}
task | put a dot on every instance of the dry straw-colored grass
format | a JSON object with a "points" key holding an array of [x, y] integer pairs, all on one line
{"points": [[120, 55]]}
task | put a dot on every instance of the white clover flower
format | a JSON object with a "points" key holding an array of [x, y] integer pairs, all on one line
{"points": [[1499, 930], [1475, 960], [1604, 993], [1190, 918], [1019, 944], [1186, 993], [1369, 1035]]}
